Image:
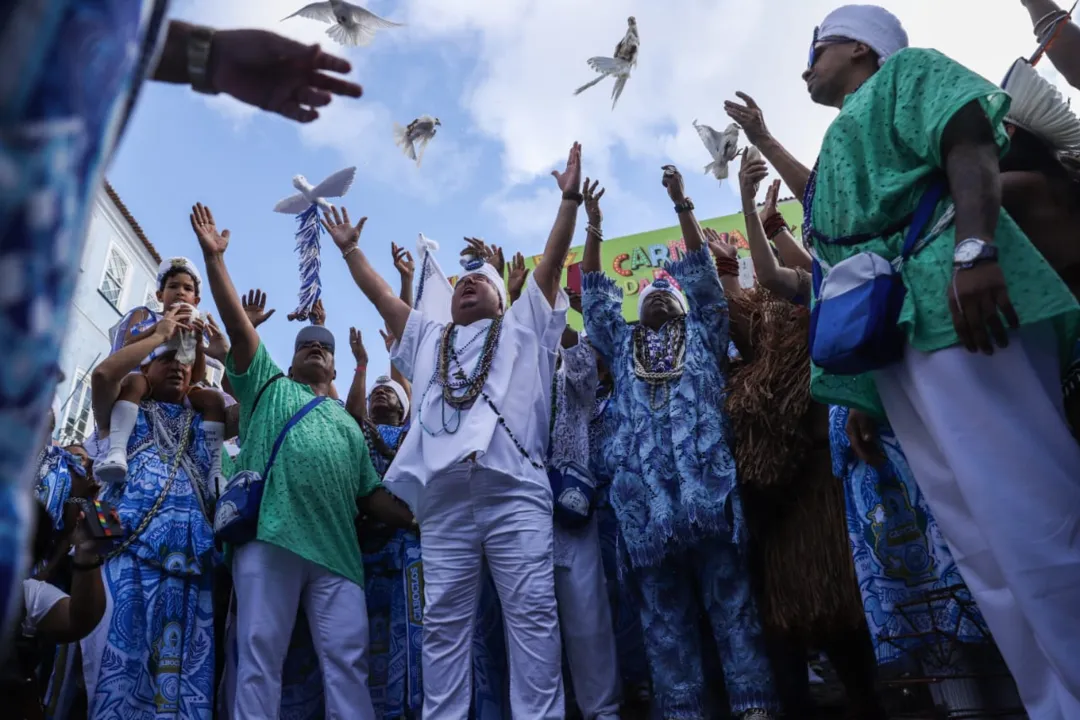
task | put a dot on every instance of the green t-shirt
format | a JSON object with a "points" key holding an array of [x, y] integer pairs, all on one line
{"points": [[876, 160], [309, 502]]}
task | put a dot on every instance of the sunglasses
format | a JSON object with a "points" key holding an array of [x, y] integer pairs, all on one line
{"points": [[818, 44], [316, 344]]}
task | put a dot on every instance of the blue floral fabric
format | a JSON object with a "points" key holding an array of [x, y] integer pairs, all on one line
{"points": [[69, 81], [152, 656], [676, 483], [900, 555], [53, 486]]}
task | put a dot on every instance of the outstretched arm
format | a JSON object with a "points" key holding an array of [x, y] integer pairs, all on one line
{"points": [[394, 311], [242, 335], [1064, 52], [548, 272], [107, 377], [684, 208], [356, 403], [752, 121]]}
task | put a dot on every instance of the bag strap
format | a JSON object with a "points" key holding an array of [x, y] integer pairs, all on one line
{"points": [[311, 405], [927, 204], [267, 384]]}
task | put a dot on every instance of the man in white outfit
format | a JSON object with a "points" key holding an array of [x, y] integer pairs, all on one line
{"points": [[472, 468]]}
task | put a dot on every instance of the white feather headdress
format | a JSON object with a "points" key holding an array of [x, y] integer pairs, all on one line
{"points": [[1039, 108]]}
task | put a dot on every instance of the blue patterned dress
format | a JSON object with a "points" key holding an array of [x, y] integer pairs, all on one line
{"points": [[69, 73], [53, 486], [152, 655], [676, 499], [625, 619], [900, 555]]}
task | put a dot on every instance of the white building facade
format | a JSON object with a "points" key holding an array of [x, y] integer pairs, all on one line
{"points": [[117, 272]]}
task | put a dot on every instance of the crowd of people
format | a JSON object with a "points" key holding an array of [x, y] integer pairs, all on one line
{"points": [[522, 520]]}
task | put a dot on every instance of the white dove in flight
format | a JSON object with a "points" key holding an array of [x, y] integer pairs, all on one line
{"points": [[420, 130], [722, 146], [334, 186], [619, 66], [352, 25]]}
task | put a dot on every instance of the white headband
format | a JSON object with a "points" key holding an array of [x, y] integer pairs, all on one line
{"points": [[660, 285], [403, 398], [489, 272], [874, 26], [178, 263]]}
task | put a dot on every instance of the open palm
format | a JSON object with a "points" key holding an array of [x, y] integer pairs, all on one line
{"points": [[210, 240]]}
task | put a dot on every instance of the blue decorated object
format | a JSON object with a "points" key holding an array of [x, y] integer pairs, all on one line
{"points": [[307, 248], [236, 517], [575, 492]]}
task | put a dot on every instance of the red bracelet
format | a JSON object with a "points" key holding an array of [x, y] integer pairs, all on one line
{"points": [[727, 266], [361, 368]]}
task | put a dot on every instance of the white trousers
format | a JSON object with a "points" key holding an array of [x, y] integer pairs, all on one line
{"points": [[585, 617], [986, 438], [270, 584], [467, 514]]}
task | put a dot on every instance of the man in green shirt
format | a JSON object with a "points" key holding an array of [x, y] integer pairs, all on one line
{"points": [[975, 399], [306, 551]]}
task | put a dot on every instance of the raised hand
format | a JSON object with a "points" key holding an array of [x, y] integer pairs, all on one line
{"points": [[518, 274], [497, 260], [274, 73], [403, 261], [749, 117], [341, 231], [356, 344], [771, 198], [673, 182], [718, 246], [388, 338], [569, 180], [254, 304], [575, 300], [751, 173], [218, 348], [317, 314], [592, 203], [478, 248], [210, 240]]}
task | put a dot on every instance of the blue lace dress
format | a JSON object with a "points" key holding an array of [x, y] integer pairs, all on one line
{"points": [[152, 655], [70, 73]]}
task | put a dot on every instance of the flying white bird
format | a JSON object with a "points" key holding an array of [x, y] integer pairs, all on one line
{"points": [[619, 66], [420, 130], [722, 146], [334, 186], [352, 25]]}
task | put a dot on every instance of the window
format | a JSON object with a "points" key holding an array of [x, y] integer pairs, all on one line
{"points": [[78, 413], [116, 271], [151, 300]]}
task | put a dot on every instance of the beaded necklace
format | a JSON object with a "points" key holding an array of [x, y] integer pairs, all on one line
{"points": [[648, 363]]}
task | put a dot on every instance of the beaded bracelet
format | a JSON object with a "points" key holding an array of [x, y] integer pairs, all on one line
{"points": [[575, 196], [727, 266], [595, 231]]}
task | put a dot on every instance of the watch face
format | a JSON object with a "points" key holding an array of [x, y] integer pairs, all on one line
{"points": [[967, 251]]}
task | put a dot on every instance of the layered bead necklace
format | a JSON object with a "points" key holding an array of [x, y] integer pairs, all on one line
{"points": [[659, 358]]}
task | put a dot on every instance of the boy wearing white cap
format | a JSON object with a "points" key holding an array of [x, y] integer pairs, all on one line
{"points": [[973, 392], [472, 467]]}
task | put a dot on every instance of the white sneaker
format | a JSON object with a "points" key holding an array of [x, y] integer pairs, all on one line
{"points": [[113, 469]]}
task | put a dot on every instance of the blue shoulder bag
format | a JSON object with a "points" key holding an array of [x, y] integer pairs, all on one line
{"points": [[236, 517], [854, 323]]}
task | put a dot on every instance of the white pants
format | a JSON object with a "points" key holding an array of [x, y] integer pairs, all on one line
{"points": [[270, 584], [585, 617], [467, 514], [986, 438]]}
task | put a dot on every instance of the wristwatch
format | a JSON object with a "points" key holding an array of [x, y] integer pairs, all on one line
{"points": [[972, 251], [199, 42], [685, 206]]}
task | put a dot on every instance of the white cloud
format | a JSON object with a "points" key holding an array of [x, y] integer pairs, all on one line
{"points": [[694, 55], [529, 55]]}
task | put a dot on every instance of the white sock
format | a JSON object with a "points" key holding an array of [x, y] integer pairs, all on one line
{"points": [[121, 425], [214, 432]]}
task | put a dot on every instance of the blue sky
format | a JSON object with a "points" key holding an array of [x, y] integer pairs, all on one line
{"points": [[500, 77]]}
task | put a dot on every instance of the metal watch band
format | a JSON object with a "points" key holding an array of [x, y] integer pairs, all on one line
{"points": [[200, 39]]}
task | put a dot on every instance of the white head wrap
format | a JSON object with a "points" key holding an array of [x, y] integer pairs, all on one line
{"points": [[178, 263], [874, 26], [1038, 107], [403, 398], [660, 285], [492, 275]]}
